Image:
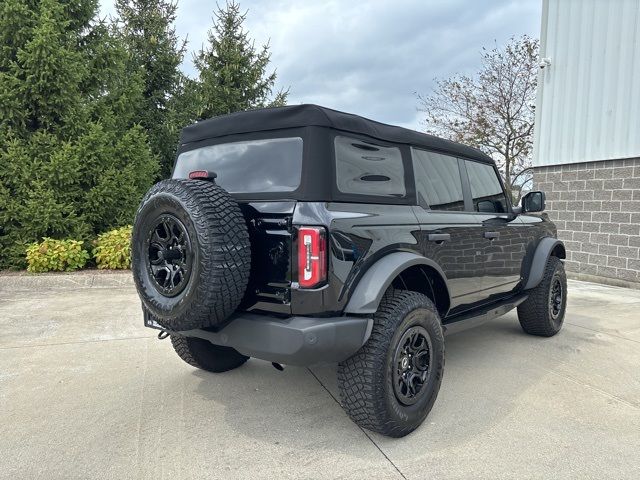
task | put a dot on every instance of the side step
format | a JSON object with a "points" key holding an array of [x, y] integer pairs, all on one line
{"points": [[483, 314]]}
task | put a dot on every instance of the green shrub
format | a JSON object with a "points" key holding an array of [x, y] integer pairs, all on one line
{"points": [[113, 248], [52, 255]]}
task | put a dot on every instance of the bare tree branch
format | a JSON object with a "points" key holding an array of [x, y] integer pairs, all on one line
{"points": [[492, 110]]}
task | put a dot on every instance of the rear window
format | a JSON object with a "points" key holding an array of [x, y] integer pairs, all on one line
{"points": [[365, 168], [254, 166]]}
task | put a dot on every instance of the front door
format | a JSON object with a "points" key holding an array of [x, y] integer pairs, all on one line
{"points": [[504, 238]]}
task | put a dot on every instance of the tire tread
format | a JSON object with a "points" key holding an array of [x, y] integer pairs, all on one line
{"points": [[361, 377], [206, 356], [533, 313]]}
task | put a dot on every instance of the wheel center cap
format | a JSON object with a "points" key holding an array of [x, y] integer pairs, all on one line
{"points": [[170, 255], [404, 363]]}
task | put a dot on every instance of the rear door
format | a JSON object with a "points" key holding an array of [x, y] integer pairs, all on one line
{"points": [[449, 234], [259, 173], [504, 240]]}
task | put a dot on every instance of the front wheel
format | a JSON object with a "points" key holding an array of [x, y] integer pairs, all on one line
{"points": [[390, 385], [543, 312]]}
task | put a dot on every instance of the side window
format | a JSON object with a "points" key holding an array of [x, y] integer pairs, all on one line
{"points": [[486, 190], [365, 168], [438, 182]]}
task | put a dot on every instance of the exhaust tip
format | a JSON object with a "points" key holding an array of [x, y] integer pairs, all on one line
{"points": [[277, 366]]}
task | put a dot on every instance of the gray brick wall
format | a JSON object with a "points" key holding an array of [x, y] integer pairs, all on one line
{"points": [[596, 207]]}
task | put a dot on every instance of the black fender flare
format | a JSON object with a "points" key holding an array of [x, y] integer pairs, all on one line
{"points": [[374, 283], [540, 258]]}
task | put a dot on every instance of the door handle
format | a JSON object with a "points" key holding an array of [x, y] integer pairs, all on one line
{"points": [[491, 235], [439, 237]]}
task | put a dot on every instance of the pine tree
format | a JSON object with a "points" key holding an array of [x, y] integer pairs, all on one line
{"points": [[73, 162], [147, 28], [232, 72]]}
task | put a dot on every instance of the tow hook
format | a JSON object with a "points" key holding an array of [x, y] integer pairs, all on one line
{"points": [[163, 334], [277, 366]]}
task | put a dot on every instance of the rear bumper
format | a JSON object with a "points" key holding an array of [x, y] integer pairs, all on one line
{"points": [[302, 341]]}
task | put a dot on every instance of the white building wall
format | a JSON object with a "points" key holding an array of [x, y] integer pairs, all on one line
{"points": [[588, 105]]}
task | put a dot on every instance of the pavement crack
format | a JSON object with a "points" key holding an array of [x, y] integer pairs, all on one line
{"points": [[141, 408], [366, 434], [76, 342], [595, 389], [603, 332]]}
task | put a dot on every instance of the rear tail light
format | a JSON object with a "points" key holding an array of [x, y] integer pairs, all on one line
{"points": [[312, 256]]}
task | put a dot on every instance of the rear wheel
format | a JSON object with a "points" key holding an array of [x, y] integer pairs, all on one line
{"points": [[205, 355], [391, 384], [543, 312]]}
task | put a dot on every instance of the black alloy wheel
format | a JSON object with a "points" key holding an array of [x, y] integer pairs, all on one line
{"points": [[412, 359], [170, 255], [555, 298]]}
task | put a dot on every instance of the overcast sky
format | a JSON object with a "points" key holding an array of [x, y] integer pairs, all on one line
{"points": [[368, 57]]}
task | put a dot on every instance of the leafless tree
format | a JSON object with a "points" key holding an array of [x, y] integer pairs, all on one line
{"points": [[492, 110]]}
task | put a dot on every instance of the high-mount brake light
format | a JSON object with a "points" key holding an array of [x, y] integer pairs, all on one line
{"points": [[202, 175], [312, 256]]}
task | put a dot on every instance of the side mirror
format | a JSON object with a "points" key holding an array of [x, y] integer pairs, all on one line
{"points": [[533, 202], [486, 206]]}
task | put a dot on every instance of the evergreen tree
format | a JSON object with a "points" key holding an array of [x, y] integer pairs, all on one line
{"points": [[72, 161], [147, 27], [232, 73]]}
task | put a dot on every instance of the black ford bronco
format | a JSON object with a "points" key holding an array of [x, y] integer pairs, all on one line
{"points": [[302, 235]]}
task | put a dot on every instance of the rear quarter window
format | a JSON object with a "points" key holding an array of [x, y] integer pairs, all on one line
{"points": [[253, 166], [366, 168]]}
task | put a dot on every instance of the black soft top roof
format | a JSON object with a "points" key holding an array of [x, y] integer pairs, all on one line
{"points": [[309, 115]]}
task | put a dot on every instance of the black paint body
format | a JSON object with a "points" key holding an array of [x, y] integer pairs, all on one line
{"points": [[478, 270], [477, 258]]}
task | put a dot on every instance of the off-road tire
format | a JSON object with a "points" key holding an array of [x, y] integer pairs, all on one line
{"points": [[365, 380], [220, 249], [534, 313], [204, 355]]}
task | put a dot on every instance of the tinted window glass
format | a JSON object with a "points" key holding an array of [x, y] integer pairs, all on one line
{"points": [[485, 188], [438, 182], [365, 168], [255, 166]]}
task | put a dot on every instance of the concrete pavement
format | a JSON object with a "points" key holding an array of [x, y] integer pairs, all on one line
{"points": [[87, 392]]}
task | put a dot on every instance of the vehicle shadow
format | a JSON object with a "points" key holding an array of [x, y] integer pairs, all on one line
{"points": [[487, 370]]}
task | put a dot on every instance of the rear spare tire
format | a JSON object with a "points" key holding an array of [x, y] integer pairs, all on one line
{"points": [[191, 254]]}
